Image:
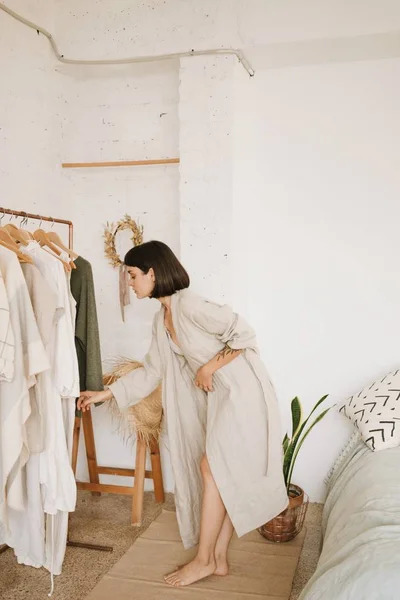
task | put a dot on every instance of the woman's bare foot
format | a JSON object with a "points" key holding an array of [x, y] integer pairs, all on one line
{"points": [[193, 571], [222, 567]]}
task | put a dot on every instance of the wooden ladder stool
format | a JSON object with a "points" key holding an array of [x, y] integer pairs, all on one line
{"points": [[139, 472]]}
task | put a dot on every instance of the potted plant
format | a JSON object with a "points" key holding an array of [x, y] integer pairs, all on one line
{"points": [[287, 524]]}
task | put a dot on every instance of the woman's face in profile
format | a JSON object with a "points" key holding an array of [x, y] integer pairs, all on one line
{"points": [[141, 283]]}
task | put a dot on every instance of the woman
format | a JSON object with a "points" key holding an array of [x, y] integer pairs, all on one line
{"points": [[219, 408]]}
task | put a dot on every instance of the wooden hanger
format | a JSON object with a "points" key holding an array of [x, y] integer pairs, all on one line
{"points": [[11, 245], [28, 234], [6, 237], [7, 240], [66, 265], [19, 235], [55, 238], [40, 236]]}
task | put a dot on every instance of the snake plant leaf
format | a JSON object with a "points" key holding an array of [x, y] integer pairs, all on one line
{"points": [[285, 443], [299, 445], [318, 403], [289, 454], [287, 459], [296, 410], [297, 415]]}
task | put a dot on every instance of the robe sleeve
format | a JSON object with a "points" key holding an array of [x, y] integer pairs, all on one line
{"points": [[227, 326], [136, 385]]}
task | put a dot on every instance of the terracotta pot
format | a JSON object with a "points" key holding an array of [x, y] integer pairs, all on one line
{"points": [[283, 527]]}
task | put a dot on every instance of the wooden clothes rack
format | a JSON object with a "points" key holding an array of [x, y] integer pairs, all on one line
{"points": [[139, 473]]}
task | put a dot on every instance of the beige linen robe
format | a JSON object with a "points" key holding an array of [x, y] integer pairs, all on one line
{"points": [[237, 425]]}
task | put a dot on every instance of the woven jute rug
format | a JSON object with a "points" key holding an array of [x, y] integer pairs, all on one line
{"points": [[258, 569]]}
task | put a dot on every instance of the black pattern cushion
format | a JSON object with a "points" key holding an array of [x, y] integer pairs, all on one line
{"points": [[375, 411]]}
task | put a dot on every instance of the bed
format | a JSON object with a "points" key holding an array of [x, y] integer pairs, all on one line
{"points": [[360, 557]]}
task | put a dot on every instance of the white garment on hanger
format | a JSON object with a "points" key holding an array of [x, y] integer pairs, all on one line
{"points": [[49, 478], [30, 360], [58, 483], [7, 343], [65, 364], [72, 301]]}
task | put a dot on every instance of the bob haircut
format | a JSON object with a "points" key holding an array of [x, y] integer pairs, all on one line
{"points": [[169, 274]]}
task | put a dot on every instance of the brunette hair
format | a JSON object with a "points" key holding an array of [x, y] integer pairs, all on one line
{"points": [[170, 275]]}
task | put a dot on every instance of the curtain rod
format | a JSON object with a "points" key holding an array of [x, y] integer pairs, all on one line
{"points": [[121, 61]]}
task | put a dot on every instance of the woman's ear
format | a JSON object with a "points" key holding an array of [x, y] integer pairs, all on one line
{"points": [[152, 274]]}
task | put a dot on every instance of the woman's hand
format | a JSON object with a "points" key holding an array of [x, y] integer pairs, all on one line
{"points": [[204, 379], [87, 398]]}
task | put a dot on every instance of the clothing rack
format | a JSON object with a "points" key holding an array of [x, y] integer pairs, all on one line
{"points": [[41, 218], [88, 427], [26, 215], [139, 473]]}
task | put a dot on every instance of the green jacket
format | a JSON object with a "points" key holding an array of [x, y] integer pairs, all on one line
{"points": [[87, 340]]}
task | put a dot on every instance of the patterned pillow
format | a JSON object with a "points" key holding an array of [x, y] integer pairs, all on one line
{"points": [[375, 411]]}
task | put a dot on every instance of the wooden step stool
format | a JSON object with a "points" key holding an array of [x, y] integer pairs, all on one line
{"points": [[139, 472]]}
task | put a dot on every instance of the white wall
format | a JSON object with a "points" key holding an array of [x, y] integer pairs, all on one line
{"points": [[27, 117], [314, 179], [111, 114], [30, 173], [206, 116], [51, 114], [319, 147], [105, 28]]}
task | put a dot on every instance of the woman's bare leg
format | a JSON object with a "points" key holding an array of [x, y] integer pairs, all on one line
{"points": [[221, 547], [212, 519]]}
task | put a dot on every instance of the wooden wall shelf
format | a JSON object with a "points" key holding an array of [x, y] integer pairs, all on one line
{"points": [[121, 163]]}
